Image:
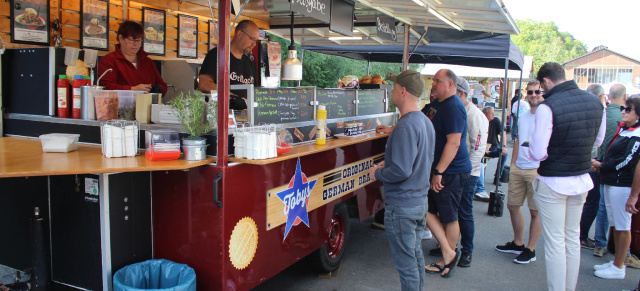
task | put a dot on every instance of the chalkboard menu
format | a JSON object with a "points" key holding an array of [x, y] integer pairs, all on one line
{"points": [[339, 102], [370, 102], [283, 105]]}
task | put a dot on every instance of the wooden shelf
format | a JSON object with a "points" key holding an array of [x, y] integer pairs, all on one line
{"points": [[22, 157], [312, 148]]}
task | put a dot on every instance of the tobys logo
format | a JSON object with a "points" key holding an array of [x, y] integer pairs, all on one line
{"points": [[299, 196], [296, 199]]}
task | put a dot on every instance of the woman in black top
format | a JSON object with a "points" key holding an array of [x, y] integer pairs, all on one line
{"points": [[616, 174]]}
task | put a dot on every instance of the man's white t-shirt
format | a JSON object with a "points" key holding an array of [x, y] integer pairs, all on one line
{"points": [[526, 125], [524, 106]]}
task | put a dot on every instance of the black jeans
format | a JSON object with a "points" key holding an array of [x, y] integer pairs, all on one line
{"points": [[590, 208]]}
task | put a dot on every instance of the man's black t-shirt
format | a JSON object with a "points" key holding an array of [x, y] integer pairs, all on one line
{"points": [[240, 70], [495, 132]]}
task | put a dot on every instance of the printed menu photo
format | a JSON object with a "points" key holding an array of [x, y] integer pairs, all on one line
{"points": [[95, 24], [30, 21], [187, 36], [154, 23]]}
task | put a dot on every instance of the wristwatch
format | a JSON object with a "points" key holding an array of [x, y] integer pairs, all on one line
{"points": [[436, 172]]}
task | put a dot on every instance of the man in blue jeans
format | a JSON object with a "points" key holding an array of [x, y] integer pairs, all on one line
{"points": [[477, 129], [408, 158]]}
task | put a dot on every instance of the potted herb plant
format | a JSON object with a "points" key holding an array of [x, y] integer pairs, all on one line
{"points": [[197, 117]]}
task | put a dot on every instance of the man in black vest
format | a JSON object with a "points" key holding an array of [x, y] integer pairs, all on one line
{"points": [[568, 124]]}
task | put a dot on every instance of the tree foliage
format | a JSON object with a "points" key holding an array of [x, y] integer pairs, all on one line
{"points": [[545, 43]]}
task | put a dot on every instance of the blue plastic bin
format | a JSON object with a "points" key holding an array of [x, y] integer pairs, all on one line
{"points": [[155, 275]]}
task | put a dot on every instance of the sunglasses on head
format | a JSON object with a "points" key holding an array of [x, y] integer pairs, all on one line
{"points": [[538, 92], [627, 109]]}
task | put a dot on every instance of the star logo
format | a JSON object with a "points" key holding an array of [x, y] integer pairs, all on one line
{"points": [[296, 199]]}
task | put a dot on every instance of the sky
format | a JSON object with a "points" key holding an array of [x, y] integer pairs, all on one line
{"points": [[613, 23]]}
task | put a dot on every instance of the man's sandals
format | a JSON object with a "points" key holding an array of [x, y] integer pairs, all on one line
{"points": [[440, 269]]}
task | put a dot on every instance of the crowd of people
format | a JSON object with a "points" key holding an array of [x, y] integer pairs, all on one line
{"points": [[570, 146]]}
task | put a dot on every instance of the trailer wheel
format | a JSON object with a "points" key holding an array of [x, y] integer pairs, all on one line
{"points": [[328, 257]]}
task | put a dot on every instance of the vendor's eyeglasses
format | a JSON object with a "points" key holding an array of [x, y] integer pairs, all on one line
{"points": [[134, 41], [250, 37], [627, 109], [538, 92]]}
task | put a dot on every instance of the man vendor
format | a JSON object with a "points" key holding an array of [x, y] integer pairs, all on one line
{"points": [[241, 69]]}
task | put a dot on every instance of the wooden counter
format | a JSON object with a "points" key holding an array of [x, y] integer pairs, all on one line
{"points": [[312, 148], [22, 157]]}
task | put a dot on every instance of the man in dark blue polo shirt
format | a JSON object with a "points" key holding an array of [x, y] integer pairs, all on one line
{"points": [[450, 171]]}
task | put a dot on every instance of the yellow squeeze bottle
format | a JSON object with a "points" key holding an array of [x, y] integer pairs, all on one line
{"points": [[321, 125]]}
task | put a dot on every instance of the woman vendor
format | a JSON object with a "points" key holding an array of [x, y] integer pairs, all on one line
{"points": [[132, 68]]}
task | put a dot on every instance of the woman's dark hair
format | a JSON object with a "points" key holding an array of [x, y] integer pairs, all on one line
{"points": [[130, 28], [634, 101]]}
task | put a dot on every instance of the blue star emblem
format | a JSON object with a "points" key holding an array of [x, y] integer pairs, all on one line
{"points": [[296, 199]]}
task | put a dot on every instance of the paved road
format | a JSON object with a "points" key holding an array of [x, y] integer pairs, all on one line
{"points": [[368, 265]]}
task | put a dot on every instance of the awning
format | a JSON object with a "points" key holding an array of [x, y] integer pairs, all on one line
{"points": [[466, 71], [487, 53]]}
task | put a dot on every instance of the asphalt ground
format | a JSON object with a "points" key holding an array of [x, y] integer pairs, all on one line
{"points": [[368, 265]]}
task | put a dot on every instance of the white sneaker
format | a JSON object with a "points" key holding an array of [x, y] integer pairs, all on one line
{"points": [[603, 266], [482, 195], [427, 234], [611, 273]]}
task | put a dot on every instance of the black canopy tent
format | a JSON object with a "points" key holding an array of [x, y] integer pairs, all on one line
{"points": [[492, 52]]}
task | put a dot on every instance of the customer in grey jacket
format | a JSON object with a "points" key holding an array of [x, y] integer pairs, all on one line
{"points": [[405, 173]]}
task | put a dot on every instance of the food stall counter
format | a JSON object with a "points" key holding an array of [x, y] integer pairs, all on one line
{"points": [[23, 157], [312, 148]]}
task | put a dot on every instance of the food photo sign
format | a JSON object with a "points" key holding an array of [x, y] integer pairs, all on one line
{"points": [[187, 36], [30, 22], [95, 23], [154, 23]]}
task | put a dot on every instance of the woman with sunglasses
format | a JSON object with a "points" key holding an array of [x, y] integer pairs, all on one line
{"points": [[132, 69], [616, 171]]}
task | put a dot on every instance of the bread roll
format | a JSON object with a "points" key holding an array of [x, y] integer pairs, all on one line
{"points": [[377, 79], [365, 80]]}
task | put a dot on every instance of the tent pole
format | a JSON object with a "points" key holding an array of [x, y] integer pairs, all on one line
{"points": [[518, 104], [503, 120]]}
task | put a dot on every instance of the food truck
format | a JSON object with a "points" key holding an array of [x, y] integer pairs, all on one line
{"points": [[236, 221]]}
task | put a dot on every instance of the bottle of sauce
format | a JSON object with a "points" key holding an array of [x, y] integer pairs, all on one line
{"points": [[63, 96], [77, 82], [321, 124]]}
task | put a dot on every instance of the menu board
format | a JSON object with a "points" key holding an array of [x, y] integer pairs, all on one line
{"points": [[154, 23], [30, 22], [339, 102], [95, 24], [371, 102], [187, 38], [318, 9], [283, 105]]}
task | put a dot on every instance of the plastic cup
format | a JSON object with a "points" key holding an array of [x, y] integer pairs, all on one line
{"points": [[71, 56], [90, 58]]}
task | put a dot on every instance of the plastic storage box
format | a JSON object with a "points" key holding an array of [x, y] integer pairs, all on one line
{"points": [[59, 142], [106, 102], [162, 144], [127, 103]]}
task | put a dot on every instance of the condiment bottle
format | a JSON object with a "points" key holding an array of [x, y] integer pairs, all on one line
{"points": [[63, 96], [77, 82], [321, 124]]}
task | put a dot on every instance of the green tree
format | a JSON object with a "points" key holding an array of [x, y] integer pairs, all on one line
{"points": [[545, 43]]}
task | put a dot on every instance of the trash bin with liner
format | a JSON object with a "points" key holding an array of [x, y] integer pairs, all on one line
{"points": [[157, 274]]}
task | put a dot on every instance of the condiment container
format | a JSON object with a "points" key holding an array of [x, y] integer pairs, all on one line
{"points": [[106, 103], [162, 144], [76, 103], [321, 124], [59, 142], [127, 103], [63, 96], [88, 110]]}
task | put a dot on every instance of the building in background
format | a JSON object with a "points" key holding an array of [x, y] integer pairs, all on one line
{"points": [[604, 66]]}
